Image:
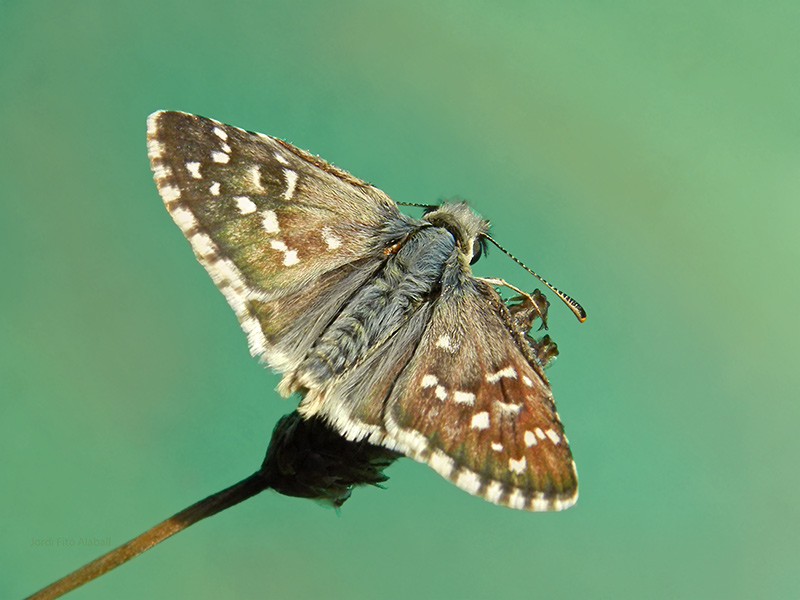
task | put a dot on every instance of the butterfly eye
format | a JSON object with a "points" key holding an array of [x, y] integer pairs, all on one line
{"points": [[476, 254], [478, 250]]}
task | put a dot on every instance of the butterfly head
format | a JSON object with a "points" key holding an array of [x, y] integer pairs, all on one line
{"points": [[466, 227]]}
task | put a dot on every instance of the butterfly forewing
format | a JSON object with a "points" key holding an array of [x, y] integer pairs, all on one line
{"points": [[479, 411], [275, 227]]}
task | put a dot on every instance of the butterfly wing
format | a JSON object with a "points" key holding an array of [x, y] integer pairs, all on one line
{"points": [[285, 236], [474, 404]]}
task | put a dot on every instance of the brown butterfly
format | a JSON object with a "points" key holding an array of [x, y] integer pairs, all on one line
{"points": [[373, 316]]}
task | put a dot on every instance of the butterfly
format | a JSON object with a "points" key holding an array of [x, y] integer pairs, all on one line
{"points": [[373, 316]]}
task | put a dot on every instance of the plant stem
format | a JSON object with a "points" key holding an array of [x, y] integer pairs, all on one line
{"points": [[247, 488]]}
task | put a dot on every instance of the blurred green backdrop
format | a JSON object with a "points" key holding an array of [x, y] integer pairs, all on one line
{"points": [[641, 155]]}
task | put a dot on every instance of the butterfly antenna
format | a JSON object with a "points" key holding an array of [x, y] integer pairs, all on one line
{"points": [[576, 308], [415, 204]]}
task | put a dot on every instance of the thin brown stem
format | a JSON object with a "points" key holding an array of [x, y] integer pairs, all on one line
{"points": [[247, 488]]}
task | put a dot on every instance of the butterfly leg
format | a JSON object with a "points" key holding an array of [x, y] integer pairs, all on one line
{"points": [[496, 281], [545, 349], [525, 310], [532, 305]]}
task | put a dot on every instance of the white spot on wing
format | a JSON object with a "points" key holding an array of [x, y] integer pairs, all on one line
{"points": [[290, 258], [494, 492], [497, 447], [225, 148], [508, 408], [169, 193], [539, 433], [214, 189], [562, 504], [152, 122], [330, 239], [408, 442], [256, 341], [279, 157], [429, 381], [203, 245], [539, 502], [154, 148], [441, 463], [220, 133], [269, 221], [245, 205], [278, 245], [194, 169], [220, 157], [527, 381], [480, 420], [255, 177], [183, 218], [509, 372], [469, 481], [161, 171], [441, 392], [516, 499], [445, 343], [553, 436], [464, 397], [291, 182], [517, 466], [530, 439]]}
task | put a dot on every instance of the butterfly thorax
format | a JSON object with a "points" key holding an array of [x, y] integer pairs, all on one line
{"points": [[463, 223]]}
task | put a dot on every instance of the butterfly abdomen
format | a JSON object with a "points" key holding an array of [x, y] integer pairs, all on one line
{"points": [[381, 306]]}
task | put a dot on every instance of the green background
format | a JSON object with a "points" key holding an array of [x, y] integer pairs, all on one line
{"points": [[643, 156]]}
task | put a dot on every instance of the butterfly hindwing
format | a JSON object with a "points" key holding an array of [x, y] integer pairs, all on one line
{"points": [[276, 228], [354, 402], [475, 405]]}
